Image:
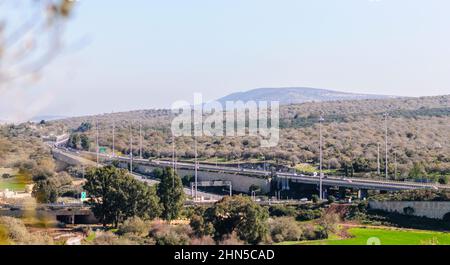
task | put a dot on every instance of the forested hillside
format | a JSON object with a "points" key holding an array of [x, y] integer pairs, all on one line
{"points": [[418, 136]]}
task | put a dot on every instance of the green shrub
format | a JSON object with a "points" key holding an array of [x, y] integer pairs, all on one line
{"points": [[166, 234], [308, 214], [281, 210], [135, 226], [331, 199], [6, 176], [284, 229], [315, 198]]}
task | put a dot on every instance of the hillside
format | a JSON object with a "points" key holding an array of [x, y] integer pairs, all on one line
{"points": [[296, 95], [418, 136]]}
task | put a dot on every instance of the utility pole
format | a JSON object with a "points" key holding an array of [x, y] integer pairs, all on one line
{"points": [[96, 141], [321, 119], [386, 142], [113, 138], [378, 160], [140, 140], [395, 165], [173, 160], [173, 152], [196, 168], [131, 149]]}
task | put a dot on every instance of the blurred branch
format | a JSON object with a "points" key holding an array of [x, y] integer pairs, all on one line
{"points": [[27, 47]]}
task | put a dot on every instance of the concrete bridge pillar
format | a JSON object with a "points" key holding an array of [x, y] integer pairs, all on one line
{"points": [[362, 194], [325, 193]]}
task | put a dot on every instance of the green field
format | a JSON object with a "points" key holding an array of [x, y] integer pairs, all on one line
{"points": [[16, 183], [360, 236]]}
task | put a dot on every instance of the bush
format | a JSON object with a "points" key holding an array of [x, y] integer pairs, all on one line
{"points": [[281, 210], [308, 214], [443, 180], [186, 180], [329, 222], [108, 238], [17, 233], [202, 241], [331, 199], [200, 227], [166, 234], [284, 229], [6, 176], [231, 239], [315, 198], [135, 226], [312, 232], [157, 173], [320, 233]]}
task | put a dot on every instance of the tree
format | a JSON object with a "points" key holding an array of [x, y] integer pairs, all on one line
{"points": [[417, 171], [200, 227], [74, 140], [85, 142], [45, 191], [443, 180], [116, 196], [171, 194], [241, 215], [84, 127]]}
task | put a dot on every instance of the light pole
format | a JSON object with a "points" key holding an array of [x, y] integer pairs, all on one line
{"points": [[195, 167], [113, 138], [131, 149], [378, 160], [395, 165], [140, 140], [173, 160], [321, 119], [386, 142], [96, 141]]}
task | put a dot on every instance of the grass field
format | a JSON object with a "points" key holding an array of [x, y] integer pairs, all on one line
{"points": [[16, 183], [360, 236]]}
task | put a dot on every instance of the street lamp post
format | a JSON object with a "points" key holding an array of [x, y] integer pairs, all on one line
{"points": [[131, 149], [113, 138], [96, 142], [196, 168], [321, 119], [386, 142], [140, 140]]}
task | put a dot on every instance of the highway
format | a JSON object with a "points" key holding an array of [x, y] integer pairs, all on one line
{"points": [[333, 181], [76, 156]]}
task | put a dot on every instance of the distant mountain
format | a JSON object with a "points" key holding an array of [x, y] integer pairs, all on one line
{"points": [[295, 95]]}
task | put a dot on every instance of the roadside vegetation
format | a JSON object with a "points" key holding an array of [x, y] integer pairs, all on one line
{"points": [[418, 138]]}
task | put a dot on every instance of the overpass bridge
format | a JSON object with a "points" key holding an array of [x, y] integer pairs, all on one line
{"points": [[360, 184], [67, 213], [76, 159]]}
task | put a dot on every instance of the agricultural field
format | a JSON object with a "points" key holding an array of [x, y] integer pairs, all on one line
{"points": [[16, 181], [386, 236]]}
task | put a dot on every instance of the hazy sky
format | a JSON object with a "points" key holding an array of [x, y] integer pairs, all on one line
{"points": [[150, 53]]}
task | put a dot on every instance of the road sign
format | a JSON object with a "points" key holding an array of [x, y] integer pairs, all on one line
{"points": [[102, 150], [83, 196]]}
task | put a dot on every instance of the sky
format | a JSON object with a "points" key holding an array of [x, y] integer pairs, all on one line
{"points": [[141, 54]]}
